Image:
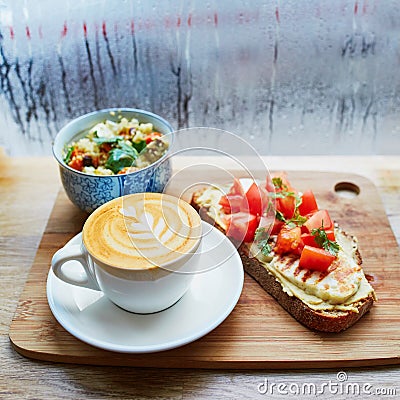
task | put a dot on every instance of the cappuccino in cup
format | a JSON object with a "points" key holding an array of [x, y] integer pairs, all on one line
{"points": [[135, 249], [142, 231]]}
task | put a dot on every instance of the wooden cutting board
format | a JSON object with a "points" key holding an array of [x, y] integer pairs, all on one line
{"points": [[258, 333]]}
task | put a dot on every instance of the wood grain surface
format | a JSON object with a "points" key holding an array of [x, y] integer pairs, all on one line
{"points": [[26, 199], [258, 333]]}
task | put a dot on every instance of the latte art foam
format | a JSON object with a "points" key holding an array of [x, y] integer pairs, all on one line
{"points": [[143, 230]]}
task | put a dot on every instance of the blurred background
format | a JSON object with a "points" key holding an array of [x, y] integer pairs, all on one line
{"points": [[291, 76]]}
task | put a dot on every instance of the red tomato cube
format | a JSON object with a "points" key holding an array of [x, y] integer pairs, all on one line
{"points": [[308, 204], [315, 259], [242, 226], [317, 220]]}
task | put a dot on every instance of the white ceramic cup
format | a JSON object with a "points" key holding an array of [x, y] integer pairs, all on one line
{"points": [[143, 291]]}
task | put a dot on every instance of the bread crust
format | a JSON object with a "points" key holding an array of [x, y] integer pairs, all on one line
{"points": [[324, 321]]}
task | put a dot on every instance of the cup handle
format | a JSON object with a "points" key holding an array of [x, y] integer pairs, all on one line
{"points": [[73, 252]]}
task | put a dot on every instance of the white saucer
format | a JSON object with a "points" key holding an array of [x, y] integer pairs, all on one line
{"points": [[92, 318]]}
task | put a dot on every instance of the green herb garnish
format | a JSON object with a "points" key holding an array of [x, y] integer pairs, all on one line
{"points": [[322, 240], [128, 149], [139, 146], [279, 216], [261, 238], [120, 157], [297, 220], [298, 201], [282, 194], [67, 158], [277, 182], [102, 140]]}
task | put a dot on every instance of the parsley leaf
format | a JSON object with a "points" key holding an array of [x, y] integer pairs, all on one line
{"points": [[266, 249], [67, 158], [261, 237], [283, 194], [277, 182], [297, 220], [298, 201], [279, 216], [332, 247], [322, 240]]}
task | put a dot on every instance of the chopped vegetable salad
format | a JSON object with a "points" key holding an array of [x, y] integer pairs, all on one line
{"points": [[116, 148]]}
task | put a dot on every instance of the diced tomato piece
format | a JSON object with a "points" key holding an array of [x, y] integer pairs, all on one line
{"points": [[309, 240], [106, 147], [286, 206], [277, 226], [151, 136], [318, 219], [236, 188], [76, 163], [254, 200], [289, 241], [242, 226], [231, 203], [308, 204], [331, 235], [76, 152], [225, 204], [315, 259]]}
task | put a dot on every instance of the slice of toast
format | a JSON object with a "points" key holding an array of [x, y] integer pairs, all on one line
{"points": [[321, 320]]}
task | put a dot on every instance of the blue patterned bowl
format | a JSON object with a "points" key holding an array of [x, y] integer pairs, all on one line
{"points": [[91, 191]]}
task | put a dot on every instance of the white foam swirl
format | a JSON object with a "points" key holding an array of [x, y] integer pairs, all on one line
{"points": [[142, 230]]}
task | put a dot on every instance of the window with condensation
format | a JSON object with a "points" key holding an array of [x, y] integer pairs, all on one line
{"points": [[289, 76]]}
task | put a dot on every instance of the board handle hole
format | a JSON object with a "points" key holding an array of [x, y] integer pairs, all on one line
{"points": [[347, 190]]}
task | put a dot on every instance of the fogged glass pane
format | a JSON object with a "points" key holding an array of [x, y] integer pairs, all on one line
{"points": [[292, 77]]}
